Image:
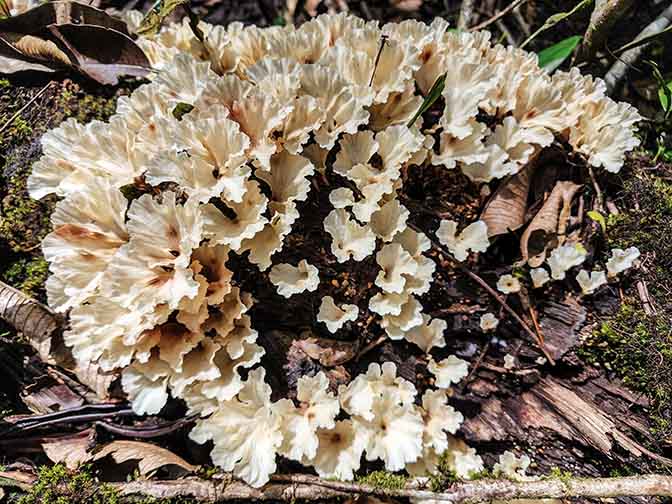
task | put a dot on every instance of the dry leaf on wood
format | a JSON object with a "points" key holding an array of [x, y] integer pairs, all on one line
{"points": [[550, 222], [505, 211], [70, 35], [18, 479], [69, 450], [47, 395], [150, 457], [327, 352], [41, 328]]}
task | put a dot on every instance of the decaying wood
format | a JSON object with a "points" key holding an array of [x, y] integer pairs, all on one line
{"points": [[305, 487], [575, 415]]}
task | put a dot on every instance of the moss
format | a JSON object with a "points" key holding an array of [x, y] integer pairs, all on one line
{"points": [[638, 348], [629, 343], [646, 223], [57, 485], [383, 479], [23, 220], [444, 475], [27, 275], [560, 474]]}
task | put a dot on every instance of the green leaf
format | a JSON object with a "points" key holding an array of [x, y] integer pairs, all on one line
{"points": [[664, 95], [599, 218], [181, 109], [161, 9], [552, 57], [431, 97]]}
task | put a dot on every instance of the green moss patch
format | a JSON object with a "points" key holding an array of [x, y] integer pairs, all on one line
{"points": [[629, 343], [57, 485], [383, 479]]}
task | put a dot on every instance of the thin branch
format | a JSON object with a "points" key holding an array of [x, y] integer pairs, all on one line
{"points": [[605, 14], [20, 111], [498, 16], [510, 310], [466, 13], [619, 69], [292, 487], [492, 292]]}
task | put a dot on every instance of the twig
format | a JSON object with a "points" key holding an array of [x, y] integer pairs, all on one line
{"points": [[620, 67], [599, 199], [20, 111], [383, 40], [149, 432], [476, 365], [604, 16], [466, 13], [498, 16], [292, 487], [553, 20], [510, 310], [492, 292], [375, 343]]}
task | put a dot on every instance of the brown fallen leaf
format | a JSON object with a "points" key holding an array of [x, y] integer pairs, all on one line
{"points": [[505, 211], [70, 36], [42, 329], [149, 456], [71, 450], [550, 222], [60, 12], [327, 352], [47, 395]]}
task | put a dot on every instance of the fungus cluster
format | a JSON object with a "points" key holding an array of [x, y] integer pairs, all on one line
{"points": [[208, 174]]}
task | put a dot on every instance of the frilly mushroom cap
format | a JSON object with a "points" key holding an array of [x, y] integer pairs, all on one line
{"points": [[621, 260], [394, 264], [508, 284], [564, 258], [335, 317], [472, 238], [349, 239], [294, 279], [448, 371], [590, 282], [539, 277], [488, 322]]}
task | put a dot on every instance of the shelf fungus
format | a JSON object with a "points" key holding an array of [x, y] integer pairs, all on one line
{"points": [[265, 161]]}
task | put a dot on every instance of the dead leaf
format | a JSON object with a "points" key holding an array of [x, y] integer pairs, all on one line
{"points": [[549, 223], [47, 395], [70, 450], [10, 66], [102, 53], [505, 211], [19, 479], [327, 352], [149, 456], [34, 20], [35, 47], [70, 35]]}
